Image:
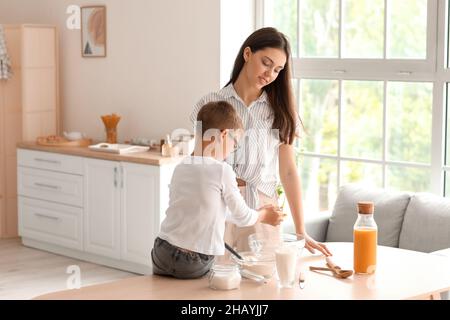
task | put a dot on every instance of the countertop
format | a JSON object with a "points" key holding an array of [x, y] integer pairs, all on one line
{"points": [[148, 157]]}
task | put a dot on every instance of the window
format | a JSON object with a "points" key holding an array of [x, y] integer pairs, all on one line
{"points": [[370, 79]]}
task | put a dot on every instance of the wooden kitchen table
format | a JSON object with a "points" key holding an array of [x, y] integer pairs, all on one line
{"points": [[401, 274]]}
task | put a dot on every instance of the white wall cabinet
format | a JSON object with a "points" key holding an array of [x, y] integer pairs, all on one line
{"points": [[103, 211]]}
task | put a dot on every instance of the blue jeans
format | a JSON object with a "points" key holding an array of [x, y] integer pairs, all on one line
{"points": [[169, 260]]}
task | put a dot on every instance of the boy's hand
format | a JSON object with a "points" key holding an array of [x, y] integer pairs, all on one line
{"points": [[270, 214]]}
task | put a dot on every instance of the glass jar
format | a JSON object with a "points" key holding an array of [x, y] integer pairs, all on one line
{"points": [[110, 122], [365, 232], [224, 277], [111, 135]]}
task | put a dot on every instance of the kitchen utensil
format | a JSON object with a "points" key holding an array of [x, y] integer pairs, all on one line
{"points": [[259, 242], [232, 251], [301, 280], [57, 141], [262, 263], [253, 276], [117, 148], [337, 270], [339, 273]]}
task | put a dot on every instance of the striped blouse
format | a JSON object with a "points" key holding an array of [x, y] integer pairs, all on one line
{"points": [[256, 159]]}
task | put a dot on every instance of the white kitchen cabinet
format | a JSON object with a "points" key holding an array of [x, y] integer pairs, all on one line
{"points": [[139, 199], [102, 208], [50, 198], [51, 222], [52, 186], [51, 161], [121, 209], [105, 211]]}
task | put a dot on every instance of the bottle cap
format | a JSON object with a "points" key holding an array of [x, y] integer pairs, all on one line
{"points": [[365, 207]]}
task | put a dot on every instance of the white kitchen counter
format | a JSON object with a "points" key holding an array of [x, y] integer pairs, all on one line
{"points": [[95, 206]]}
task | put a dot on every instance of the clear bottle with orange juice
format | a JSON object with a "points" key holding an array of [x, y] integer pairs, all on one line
{"points": [[365, 233]]}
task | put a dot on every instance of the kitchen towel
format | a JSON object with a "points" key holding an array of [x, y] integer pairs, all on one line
{"points": [[5, 63]]}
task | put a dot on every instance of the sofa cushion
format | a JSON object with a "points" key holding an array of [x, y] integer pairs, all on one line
{"points": [[390, 208], [442, 253], [426, 226]]}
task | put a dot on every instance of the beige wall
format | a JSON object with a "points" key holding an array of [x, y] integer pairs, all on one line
{"points": [[237, 22], [163, 55]]}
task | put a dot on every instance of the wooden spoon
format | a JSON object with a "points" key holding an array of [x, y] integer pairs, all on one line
{"points": [[338, 272]]}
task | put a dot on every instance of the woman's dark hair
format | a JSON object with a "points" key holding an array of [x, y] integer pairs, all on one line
{"points": [[279, 91]]}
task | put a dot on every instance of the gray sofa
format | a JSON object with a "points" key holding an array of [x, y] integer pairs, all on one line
{"points": [[413, 221]]}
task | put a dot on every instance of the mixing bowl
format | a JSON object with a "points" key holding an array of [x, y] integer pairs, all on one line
{"points": [[261, 263], [259, 242]]}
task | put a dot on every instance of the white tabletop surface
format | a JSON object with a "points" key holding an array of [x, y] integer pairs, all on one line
{"points": [[401, 274]]}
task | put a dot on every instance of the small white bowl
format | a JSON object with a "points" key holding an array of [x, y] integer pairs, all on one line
{"points": [[74, 135]]}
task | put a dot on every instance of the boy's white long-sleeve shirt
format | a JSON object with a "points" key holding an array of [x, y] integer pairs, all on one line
{"points": [[201, 191]]}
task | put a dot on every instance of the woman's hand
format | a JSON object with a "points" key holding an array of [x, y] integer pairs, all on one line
{"points": [[312, 245], [270, 214]]}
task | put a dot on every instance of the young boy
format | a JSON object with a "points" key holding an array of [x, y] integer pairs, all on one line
{"points": [[203, 194]]}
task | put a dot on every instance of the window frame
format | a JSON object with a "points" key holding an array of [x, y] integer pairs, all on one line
{"points": [[432, 69]]}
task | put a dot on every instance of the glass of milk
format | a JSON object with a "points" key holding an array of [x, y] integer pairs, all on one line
{"points": [[286, 262]]}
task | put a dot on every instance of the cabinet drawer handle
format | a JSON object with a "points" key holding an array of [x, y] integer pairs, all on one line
{"points": [[41, 215], [43, 185], [121, 177], [115, 177], [48, 161]]}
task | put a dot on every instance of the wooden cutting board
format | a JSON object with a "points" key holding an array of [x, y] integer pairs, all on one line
{"points": [[58, 141]]}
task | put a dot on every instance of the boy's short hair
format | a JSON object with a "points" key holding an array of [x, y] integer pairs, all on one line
{"points": [[218, 115]]}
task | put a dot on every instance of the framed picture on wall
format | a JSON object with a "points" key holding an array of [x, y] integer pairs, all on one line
{"points": [[93, 31]]}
